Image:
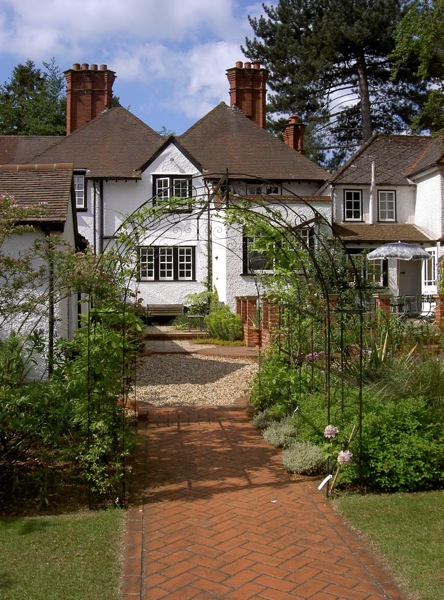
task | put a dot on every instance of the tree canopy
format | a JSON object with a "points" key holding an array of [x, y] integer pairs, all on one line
{"points": [[420, 40], [33, 101], [328, 62]]}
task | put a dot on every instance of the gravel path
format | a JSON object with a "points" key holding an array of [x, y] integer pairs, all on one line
{"points": [[192, 380]]}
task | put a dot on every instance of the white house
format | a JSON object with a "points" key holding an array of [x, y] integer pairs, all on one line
{"points": [[36, 306], [392, 190], [121, 164]]}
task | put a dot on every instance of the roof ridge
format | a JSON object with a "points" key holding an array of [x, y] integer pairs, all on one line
{"points": [[37, 167]]}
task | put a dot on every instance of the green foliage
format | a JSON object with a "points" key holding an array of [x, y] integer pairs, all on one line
{"points": [[224, 325], [403, 445], [280, 434], [304, 458], [419, 40], [262, 419], [32, 102]]}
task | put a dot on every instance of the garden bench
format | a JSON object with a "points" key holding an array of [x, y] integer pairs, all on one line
{"points": [[164, 310]]}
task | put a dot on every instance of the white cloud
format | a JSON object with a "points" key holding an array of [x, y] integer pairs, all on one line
{"points": [[179, 50]]}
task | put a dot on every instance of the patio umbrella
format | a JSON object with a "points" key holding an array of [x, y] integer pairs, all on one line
{"points": [[398, 251]]}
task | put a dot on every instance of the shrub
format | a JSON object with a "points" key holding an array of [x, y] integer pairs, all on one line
{"points": [[402, 446], [280, 433], [262, 419], [304, 458], [224, 325]]}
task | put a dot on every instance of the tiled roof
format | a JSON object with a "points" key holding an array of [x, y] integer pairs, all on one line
{"points": [[226, 139], [396, 158], [116, 144], [19, 149], [31, 185], [361, 232]]}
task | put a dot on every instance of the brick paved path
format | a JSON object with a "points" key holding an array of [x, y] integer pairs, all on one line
{"points": [[214, 515]]}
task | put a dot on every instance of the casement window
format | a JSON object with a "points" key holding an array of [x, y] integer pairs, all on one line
{"points": [[253, 260], [167, 263], [169, 187], [375, 273], [307, 236], [386, 206], [353, 205], [79, 190], [429, 276]]}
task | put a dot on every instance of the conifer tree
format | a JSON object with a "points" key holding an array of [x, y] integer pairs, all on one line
{"points": [[328, 63]]}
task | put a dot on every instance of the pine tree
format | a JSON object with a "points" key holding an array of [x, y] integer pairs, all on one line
{"points": [[328, 64], [33, 102]]}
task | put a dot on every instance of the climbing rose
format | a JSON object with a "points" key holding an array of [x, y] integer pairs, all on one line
{"points": [[344, 457], [331, 431]]}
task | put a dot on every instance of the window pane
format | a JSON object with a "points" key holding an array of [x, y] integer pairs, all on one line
{"points": [[352, 205], [185, 263], [146, 263], [430, 269], [163, 188], [386, 206], [180, 187], [166, 263], [375, 272], [79, 189]]}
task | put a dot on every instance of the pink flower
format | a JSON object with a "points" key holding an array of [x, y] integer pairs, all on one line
{"points": [[345, 457], [331, 432]]}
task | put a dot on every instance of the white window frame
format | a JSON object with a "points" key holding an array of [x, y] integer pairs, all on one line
{"points": [[386, 206], [167, 263], [353, 205], [172, 186], [430, 273], [80, 191]]}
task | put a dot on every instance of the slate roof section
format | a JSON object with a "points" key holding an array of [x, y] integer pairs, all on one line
{"points": [[32, 185], [226, 139], [114, 145], [396, 157], [380, 233], [21, 149]]}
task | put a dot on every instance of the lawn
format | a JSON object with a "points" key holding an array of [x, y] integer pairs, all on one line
{"points": [[74, 557], [407, 531]]}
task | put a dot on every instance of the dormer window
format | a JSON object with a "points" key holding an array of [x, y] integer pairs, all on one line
{"points": [[352, 205], [173, 189], [386, 206], [79, 190]]}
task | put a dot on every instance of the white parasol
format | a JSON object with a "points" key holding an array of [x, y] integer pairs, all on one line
{"points": [[398, 251]]}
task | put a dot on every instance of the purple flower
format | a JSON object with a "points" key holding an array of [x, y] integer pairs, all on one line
{"points": [[331, 432], [345, 457]]}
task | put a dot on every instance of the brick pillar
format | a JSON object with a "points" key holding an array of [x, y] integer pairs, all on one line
{"points": [[89, 92], [382, 304], [248, 90], [439, 310]]}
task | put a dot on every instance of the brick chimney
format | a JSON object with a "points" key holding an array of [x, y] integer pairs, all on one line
{"points": [[293, 134], [248, 90], [89, 92]]}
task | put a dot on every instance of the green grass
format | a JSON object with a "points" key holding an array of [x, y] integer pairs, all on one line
{"points": [[74, 557], [407, 530]]}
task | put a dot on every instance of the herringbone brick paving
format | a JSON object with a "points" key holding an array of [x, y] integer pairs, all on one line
{"points": [[214, 515]]}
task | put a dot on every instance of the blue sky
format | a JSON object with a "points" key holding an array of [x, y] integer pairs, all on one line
{"points": [[170, 56]]}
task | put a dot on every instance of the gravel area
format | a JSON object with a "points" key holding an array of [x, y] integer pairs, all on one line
{"points": [[192, 380]]}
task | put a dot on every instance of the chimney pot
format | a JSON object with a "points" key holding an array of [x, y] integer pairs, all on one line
{"points": [[93, 67], [76, 66], [85, 66], [248, 65], [239, 64], [256, 64], [103, 68], [294, 119]]}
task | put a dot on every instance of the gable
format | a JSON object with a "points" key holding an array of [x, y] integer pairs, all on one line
{"points": [[225, 139]]}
